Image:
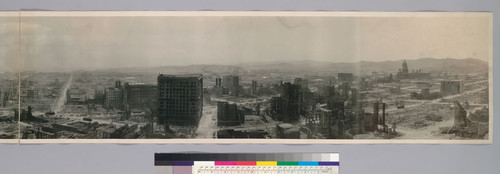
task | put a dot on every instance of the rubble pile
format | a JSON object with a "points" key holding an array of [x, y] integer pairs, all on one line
{"points": [[467, 128]]}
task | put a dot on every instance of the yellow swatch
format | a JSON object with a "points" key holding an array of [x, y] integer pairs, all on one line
{"points": [[267, 163]]}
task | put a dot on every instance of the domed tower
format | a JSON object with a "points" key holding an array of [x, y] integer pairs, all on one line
{"points": [[405, 67]]}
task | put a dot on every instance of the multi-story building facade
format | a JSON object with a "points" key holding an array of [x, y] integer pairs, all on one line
{"points": [[180, 99], [254, 87], [139, 95], [229, 114], [292, 102], [232, 83], [113, 98]]}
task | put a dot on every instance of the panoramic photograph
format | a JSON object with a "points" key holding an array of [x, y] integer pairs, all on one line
{"points": [[9, 77], [270, 77]]}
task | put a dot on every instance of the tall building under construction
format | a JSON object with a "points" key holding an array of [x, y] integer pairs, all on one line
{"points": [[180, 99]]}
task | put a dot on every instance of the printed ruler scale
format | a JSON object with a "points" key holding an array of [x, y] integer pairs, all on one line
{"points": [[247, 163], [263, 170]]}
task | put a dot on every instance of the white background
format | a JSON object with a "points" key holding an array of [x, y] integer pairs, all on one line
{"points": [[138, 158]]}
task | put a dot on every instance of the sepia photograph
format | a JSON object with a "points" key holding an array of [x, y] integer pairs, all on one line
{"points": [[246, 77], [9, 77]]}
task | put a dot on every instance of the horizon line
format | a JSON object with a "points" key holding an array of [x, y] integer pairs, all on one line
{"points": [[242, 63]]}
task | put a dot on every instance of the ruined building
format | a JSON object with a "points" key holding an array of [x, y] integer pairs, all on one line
{"points": [[365, 85], [388, 79], [232, 83], [372, 121], [464, 127], [292, 102], [287, 106], [254, 87], [344, 90], [180, 99], [337, 106], [139, 95], [481, 115], [229, 114], [345, 77], [329, 91], [287, 131], [303, 83], [459, 115], [218, 89], [277, 108], [425, 94], [450, 87], [113, 96], [322, 118], [381, 119], [75, 96], [1, 98]]}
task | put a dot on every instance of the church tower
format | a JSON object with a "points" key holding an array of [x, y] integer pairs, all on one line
{"points": [[405, 67]]}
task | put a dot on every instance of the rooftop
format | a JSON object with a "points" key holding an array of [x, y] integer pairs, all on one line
{"points": [[113, 89], [181, 75], [138, 84]]}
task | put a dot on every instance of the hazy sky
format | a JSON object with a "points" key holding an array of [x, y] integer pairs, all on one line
{"points": [[9, 45], [49, 43]]}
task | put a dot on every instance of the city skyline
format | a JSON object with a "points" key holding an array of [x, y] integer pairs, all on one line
{"points": [[242, 64]]}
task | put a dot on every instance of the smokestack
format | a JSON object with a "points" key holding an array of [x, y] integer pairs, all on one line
{"points": [[375, 120], [383, 113]]}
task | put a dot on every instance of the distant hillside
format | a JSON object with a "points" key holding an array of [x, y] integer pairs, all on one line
{"points": [[450, 65], [189, 69], [469, 65]]}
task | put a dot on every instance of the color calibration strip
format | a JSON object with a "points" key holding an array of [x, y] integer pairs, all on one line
{"points": [[245, 163], [333, 157], [247, 159]]}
